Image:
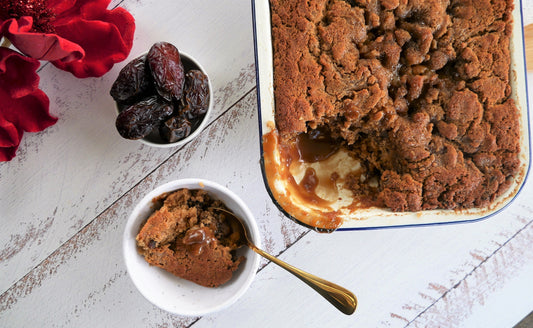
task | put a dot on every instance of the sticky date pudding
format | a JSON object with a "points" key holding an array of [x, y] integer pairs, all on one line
{"points": [[189, 239], [416, 92]]}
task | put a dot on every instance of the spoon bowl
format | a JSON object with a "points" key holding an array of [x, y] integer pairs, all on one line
{"points": [[343, 299]]}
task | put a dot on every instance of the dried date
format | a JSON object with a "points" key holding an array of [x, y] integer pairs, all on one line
{"points": [[167, 70], [175, 128], [138, 120], [133, 82], [155, 92], [195, 94]]}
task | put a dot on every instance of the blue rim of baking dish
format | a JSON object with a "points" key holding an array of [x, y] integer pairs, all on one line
{"points": [[262, 163]]}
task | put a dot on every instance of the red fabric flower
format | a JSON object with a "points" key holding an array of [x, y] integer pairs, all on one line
{"points": [[40, 46], [86, 39], [23, 106], [79, 36]]}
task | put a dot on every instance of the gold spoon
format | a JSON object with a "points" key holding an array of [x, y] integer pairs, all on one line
{"points": [[340, 297]]}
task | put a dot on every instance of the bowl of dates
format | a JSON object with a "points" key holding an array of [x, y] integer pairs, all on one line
{"points": [[163, 97]]}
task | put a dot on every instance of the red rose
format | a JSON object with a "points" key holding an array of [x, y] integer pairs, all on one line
{"points": [[24, 107]]}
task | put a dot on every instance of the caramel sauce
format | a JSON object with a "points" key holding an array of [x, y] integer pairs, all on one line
{"points": [[310, 181], [315, 146], [308, 148], [196, 240], [306, 189]]}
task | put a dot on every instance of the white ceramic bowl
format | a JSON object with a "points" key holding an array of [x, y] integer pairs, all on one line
{"points": [[153, 139], [180, 296]]}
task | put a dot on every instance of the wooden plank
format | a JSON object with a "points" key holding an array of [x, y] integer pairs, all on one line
{"points": [[65, 176], [86, 278], [65, 201], [396, 274], [480, 300]]}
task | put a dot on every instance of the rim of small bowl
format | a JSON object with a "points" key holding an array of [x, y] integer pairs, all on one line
{"points": [[131, 255], [205, 119]]}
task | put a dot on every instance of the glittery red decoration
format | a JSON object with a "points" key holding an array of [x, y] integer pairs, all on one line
{"points": [[38, 9]]}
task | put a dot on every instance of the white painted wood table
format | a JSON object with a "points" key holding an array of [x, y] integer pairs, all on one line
{"points": [[65, 198]]}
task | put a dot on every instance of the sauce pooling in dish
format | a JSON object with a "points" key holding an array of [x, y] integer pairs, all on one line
{"points": [[311, 148], [315, 146]]}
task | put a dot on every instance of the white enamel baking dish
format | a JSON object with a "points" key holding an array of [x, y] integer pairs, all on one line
{"points": [[378, 217]]}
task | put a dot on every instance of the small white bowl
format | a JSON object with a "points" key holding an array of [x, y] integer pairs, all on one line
{"points": [[180, 296], [153, 139]]}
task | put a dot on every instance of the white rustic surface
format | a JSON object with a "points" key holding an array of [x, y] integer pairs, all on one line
{"points": [[64, 200]]}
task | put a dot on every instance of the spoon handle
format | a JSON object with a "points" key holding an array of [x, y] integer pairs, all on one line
{"points": [[340, 297]]}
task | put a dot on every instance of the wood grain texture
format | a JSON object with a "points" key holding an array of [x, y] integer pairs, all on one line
{"points": [[74, 170], [65, 199], [457, 305], [227, 143], [396, 275]]}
